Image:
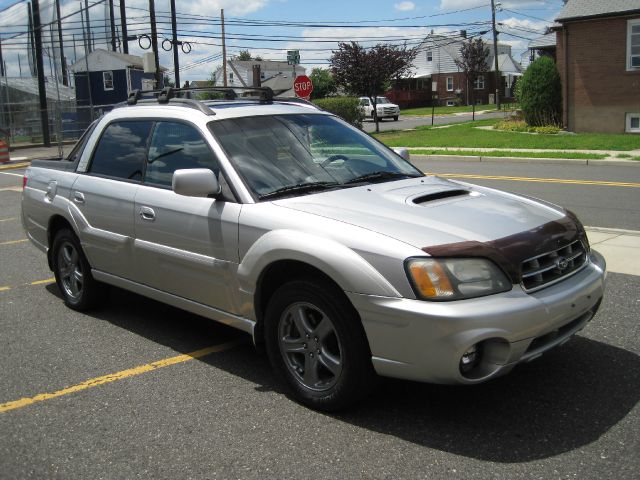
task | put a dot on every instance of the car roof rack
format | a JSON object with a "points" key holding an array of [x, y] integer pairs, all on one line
{"points": [[180, 96]]}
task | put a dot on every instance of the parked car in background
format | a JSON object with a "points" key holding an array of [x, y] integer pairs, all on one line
{"points": [[384, 108], [345, 260]]}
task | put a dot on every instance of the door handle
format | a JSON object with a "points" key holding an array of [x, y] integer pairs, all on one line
{"points": [[78, 197], [147, 213]]}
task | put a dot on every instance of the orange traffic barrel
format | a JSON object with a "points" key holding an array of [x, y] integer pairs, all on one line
{"points": [[4, 151]]}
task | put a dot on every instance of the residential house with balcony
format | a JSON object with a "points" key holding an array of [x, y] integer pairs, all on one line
{"points": [[435, 65]]}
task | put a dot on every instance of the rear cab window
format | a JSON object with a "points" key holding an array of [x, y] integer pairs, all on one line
{"points": [[122, 150]]}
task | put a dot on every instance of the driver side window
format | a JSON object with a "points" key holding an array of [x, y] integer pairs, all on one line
{"points": [[176, 145]]}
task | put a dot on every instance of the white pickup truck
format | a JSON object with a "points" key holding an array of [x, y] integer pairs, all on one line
{"points": [[281, 220], [384, 109]]}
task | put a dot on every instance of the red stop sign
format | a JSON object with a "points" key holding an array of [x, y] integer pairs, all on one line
{"points": [[302, 86]]}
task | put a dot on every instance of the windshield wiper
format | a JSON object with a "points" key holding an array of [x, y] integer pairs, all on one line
{"points": [[381, 175], [298, 188]]}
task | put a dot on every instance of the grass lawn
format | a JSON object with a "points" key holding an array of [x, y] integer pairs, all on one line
{"points": [[502, 153], [465, 135], [426, 111]]}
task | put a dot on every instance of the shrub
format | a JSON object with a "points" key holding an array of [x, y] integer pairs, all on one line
{"points": [[521, 126], [540, 93], [348, 108], [511, 126], [546, 129]]}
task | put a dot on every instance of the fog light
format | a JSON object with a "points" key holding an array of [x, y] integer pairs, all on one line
{"points": [[470, 359]]}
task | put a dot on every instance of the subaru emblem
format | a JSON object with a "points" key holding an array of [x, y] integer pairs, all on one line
{"points": [[562, 263]]}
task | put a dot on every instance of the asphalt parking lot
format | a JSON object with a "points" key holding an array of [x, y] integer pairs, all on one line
{"points": [[127, 391]]}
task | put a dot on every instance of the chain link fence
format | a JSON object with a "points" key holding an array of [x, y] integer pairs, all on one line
{"points": [[20, 113]]}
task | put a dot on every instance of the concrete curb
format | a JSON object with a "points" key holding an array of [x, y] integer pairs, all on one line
{"points": [[613, 231], [550, 161]]}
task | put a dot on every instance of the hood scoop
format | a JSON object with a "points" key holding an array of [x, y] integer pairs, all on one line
{"points": [[440, 195]]}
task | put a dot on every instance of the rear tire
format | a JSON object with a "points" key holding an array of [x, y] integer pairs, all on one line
{"points": [[316, 343], [79, 289]]}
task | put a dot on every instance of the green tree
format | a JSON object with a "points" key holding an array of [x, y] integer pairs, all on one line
{"points": [[244, 55], [324, 85], [366, 71], [539, 93], [473, 62]]}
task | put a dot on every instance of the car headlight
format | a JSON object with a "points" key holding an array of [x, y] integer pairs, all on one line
{"points": [[443, 279]]}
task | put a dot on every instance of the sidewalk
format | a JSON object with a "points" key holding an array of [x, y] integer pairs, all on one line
{"points": [[619, 248]]}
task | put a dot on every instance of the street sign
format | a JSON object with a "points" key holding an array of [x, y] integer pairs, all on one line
{"points": [[293, 57], [302, 86]]}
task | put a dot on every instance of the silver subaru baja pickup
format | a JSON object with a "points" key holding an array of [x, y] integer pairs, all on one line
{"points": [[282, 220]]}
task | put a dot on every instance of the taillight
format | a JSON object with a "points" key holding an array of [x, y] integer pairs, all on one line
{"points": [[24, 181]]}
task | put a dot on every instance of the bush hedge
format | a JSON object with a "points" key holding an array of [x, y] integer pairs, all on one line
{"points": [[539, 93], [348, 108]]}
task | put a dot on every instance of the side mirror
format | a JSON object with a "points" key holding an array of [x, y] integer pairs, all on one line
{"points": [[403, 152], [195, 182]]}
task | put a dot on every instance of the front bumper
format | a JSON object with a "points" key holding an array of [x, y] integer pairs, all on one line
{"points": [[424, 341]]}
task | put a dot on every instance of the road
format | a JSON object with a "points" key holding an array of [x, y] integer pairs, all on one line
{"points": [[412, 121], [127, 402], [593, 192]]}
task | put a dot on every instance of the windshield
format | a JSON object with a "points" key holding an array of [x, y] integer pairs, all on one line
{"points": [[382, 100], [293, 154]]}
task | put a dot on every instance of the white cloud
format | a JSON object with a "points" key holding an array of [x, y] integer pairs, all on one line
{"points": [[405, 6], [462, 4]]}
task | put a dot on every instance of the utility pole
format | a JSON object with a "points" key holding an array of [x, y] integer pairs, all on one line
{"points": [[2, 73], [154, 40], [42, 93], [63, 59], [32, 44], [174, 41], [86, 9], [495, 52], [224, 49], [112, 21], [123, 23]]}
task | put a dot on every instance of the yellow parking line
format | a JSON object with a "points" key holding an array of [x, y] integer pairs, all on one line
{"points": [[13, 242], [540, 180], [15, 165], [112, 377], [37, 282], [8, 219]]}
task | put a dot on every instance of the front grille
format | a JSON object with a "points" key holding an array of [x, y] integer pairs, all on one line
{"points": [[389, 110], [550, 267]]}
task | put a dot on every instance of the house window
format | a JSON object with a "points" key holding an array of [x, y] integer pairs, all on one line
{"points": [[451, 103], [107, 80], [429, 56], [478, 84], [449, 84], [231, 76], [633, 45], [633, 123]]}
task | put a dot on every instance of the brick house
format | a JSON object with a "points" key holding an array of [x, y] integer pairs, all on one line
{"points": [[435, 62], [598, 56]]}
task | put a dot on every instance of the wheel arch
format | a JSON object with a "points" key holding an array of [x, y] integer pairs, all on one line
{"points": [[56, 223]]}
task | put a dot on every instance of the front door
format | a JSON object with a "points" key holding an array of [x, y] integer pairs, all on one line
{"points": [[186, 246]]}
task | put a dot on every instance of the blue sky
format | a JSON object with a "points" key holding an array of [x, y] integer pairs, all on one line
{"points": [[313, 27]]}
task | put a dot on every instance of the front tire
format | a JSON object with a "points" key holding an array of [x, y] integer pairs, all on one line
{"points": [[395, 119], [316, 343], [73, 273]]}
